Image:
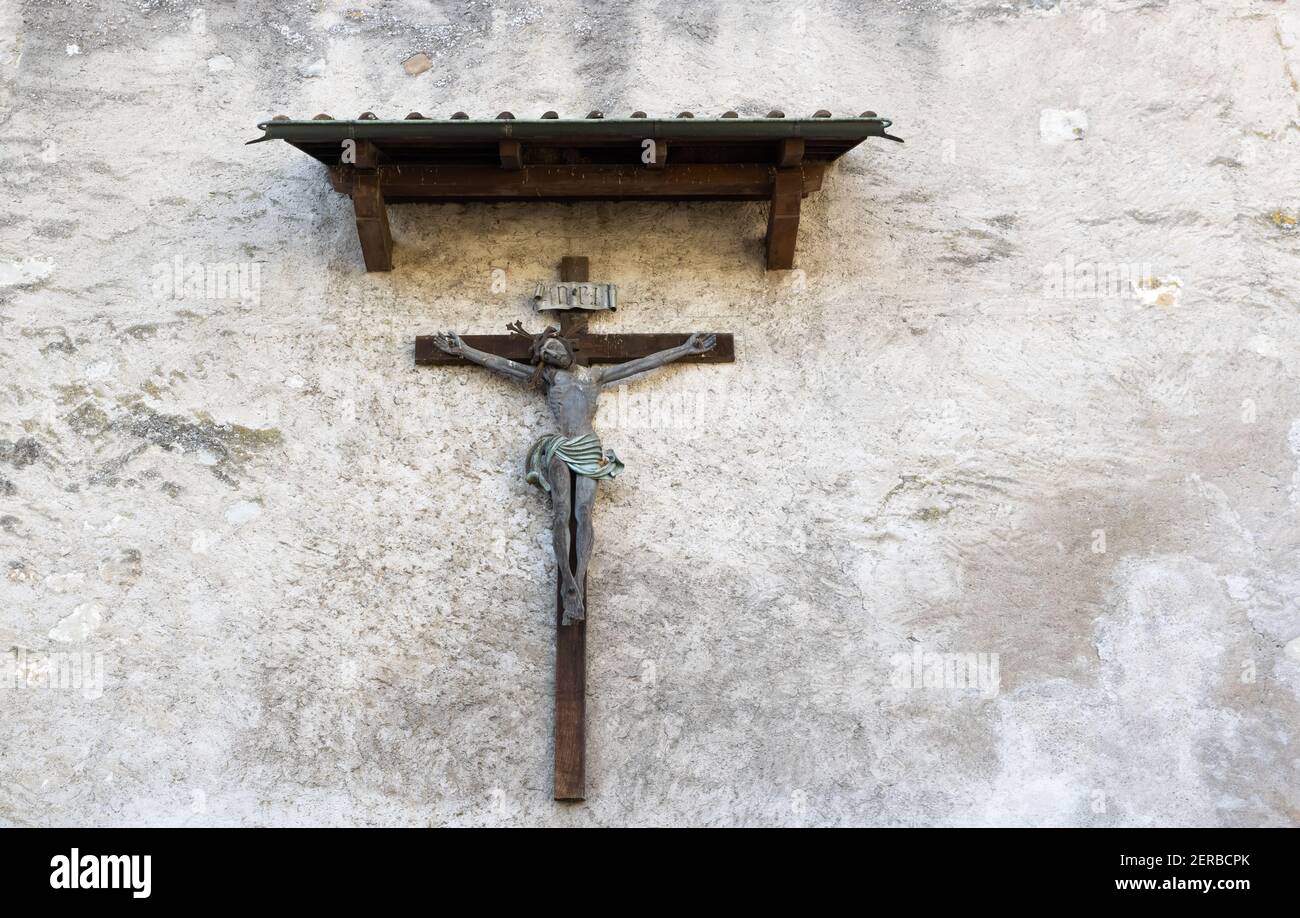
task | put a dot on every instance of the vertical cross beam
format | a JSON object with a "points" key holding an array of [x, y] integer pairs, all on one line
{"points": [[571, 639], [371, 211], [570, 684]]}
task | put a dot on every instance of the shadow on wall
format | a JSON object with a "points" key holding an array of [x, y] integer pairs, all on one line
{"points": [[706, 240]]}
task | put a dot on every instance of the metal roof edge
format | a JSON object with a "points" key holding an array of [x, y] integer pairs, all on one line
{"points": [[561, 130]]}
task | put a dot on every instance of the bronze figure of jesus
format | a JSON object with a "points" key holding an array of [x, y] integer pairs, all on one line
{"points": [[572, 391]]}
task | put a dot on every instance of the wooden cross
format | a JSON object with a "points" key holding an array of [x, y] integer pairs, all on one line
{"points": [[571, 638]]}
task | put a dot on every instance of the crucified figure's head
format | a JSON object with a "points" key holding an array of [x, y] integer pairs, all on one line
{"points": [[556, 351], [548, 348]]}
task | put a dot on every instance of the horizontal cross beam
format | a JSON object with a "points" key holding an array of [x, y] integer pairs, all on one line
{"points": [[590, 348], [684, 182]]}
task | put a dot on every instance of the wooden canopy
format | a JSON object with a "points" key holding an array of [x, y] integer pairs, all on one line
{"points": [[378, 162]]}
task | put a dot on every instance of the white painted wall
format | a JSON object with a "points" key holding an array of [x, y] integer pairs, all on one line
{"points": [[318, 589]]}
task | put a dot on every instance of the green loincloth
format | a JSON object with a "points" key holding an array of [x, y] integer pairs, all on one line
{"points": [[582, 454]]}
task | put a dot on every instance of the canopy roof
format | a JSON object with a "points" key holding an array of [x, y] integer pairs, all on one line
{"points": [[460, 159], [465, 140]]}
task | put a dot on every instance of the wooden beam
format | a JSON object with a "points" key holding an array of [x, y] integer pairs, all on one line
{"points": [[591, 348], [366, 155], [783, 219], [660, 157], [683, 182], [388, 182], [372, 221], [790, 152], [570, 684], [575, 269], [512, 154], [617, 348], [571, 639]]}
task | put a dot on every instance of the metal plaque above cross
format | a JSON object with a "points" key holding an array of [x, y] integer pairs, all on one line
{"points": [[567, 465]]}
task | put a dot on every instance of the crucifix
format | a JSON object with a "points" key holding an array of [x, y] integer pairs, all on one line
{"points": [[567, 465]]}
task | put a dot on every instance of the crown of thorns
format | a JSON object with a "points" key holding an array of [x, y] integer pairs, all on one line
{"points": [[538, 341]]}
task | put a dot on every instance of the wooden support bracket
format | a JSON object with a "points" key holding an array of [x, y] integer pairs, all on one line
{"points": [[790, 152], [783, 218], [512, 154], [367, 193], [372, 221]]}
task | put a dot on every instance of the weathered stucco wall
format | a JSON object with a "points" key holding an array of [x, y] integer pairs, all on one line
{"points": [[320, 591]]}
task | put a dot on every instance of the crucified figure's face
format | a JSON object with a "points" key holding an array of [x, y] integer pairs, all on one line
{"points": [[556, 354]]}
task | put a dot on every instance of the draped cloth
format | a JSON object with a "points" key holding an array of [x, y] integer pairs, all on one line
{"points": [[582, 454]]}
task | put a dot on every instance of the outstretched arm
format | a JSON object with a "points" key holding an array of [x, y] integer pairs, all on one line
{"points": [[450, 343], [697, 343]]}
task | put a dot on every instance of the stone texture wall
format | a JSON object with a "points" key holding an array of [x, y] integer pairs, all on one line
{"points": [[1030, 399]]}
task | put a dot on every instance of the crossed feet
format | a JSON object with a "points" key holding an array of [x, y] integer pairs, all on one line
{"points": [[574, 611]]}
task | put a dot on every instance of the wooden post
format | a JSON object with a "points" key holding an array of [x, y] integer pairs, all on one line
{"points": [[783, 218], [570, 685], [371, 211], [571, 639]]}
